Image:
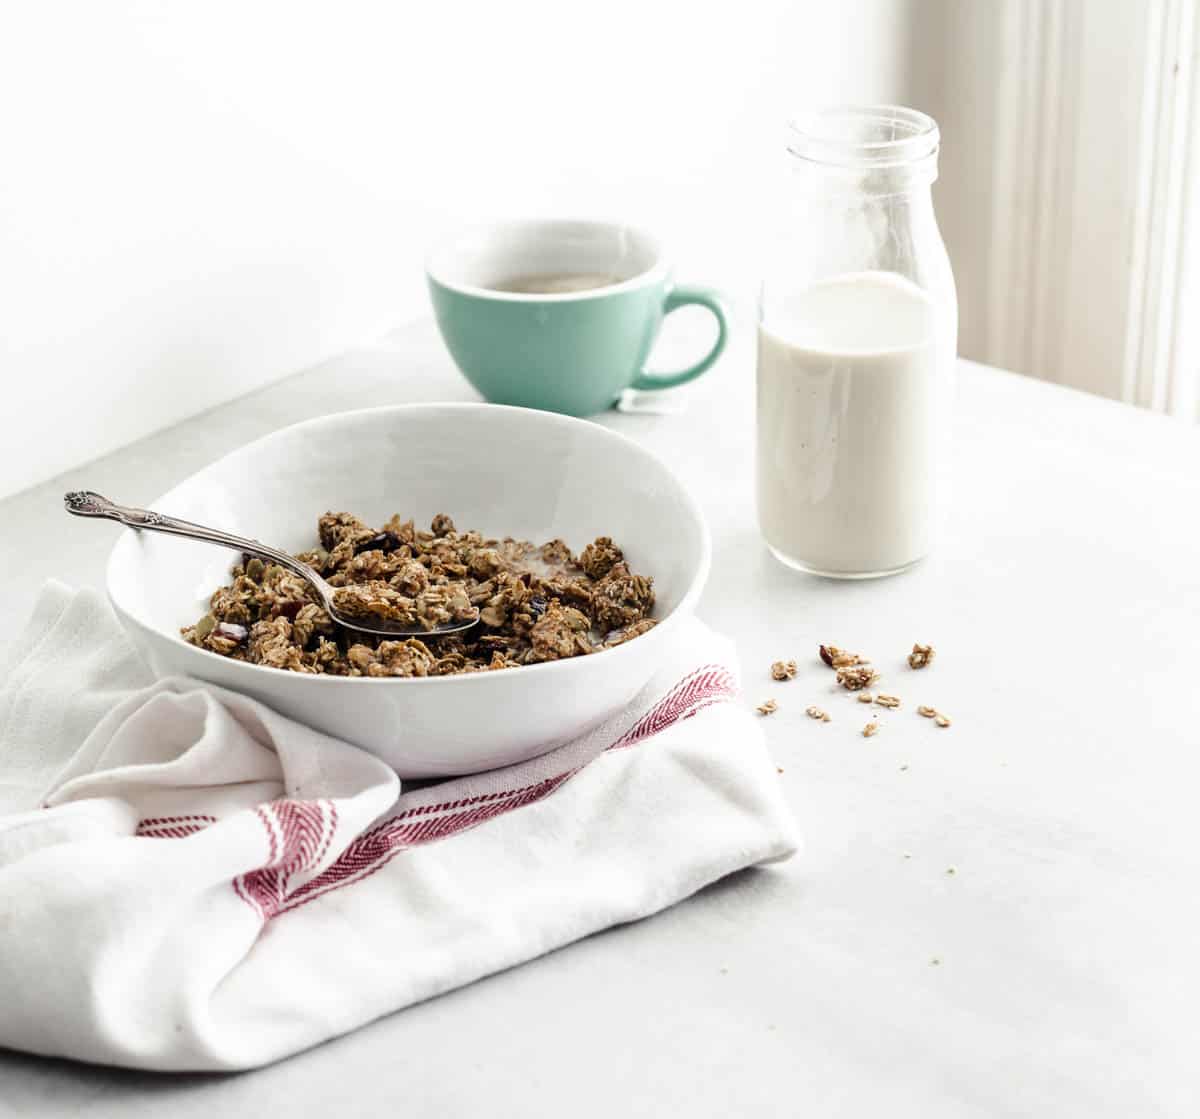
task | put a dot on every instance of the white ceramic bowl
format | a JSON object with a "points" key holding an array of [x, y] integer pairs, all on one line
{"points": [[503, 471]]}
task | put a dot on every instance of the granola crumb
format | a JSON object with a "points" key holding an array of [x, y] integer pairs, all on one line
{"points": [[951, 870], [839, 658], [768, 707], [778, 769], [870, 729], [856, 677], [906, 854], [887, 700], [928, 712], [783, 670], [920, 656], [941, 720], [935, 961], [815, 712], [865, 697], [903, 767]]}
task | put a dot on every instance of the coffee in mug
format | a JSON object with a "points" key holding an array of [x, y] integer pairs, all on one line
{"points": [[555, 283]]}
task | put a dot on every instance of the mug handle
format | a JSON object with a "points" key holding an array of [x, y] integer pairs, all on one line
{"points": [[684, 296]]}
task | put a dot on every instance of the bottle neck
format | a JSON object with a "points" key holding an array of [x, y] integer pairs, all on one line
{"points": [[872, 151]]}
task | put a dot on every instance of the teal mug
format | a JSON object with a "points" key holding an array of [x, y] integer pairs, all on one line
{"points": [[560, 315]]}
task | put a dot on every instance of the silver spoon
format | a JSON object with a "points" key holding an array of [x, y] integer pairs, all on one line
{"points": [[85, 503]]}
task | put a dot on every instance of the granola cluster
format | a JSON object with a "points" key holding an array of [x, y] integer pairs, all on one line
{"points": [[535, 603]]}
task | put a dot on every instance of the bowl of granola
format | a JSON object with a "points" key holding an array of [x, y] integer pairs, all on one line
{"points": [[578, 552]]}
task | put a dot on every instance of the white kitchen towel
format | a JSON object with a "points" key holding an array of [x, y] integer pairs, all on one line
{"points": [[191, 881]]}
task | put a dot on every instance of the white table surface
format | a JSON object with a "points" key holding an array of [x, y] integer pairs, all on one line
{"points": [[1065, 607]]}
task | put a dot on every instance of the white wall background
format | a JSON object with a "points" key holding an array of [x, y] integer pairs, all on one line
{"points": [[197, 199]]}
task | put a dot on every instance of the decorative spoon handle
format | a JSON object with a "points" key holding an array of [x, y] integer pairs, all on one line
{"points": [[85, 503]]}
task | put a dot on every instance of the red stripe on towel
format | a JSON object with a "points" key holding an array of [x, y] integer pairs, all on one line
{"points": [[172, 827], [299, 833]]}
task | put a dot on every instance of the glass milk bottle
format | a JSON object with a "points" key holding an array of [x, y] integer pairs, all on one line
{"points": [[858, 323]]}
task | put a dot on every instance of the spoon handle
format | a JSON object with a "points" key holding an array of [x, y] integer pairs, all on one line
{"points": [[85, 503]]}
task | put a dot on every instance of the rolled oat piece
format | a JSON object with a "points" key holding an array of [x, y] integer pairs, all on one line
{"points": [[485, 562], [920, 656], [856, 677], [333, 528], [783, 670], [556, 553], [620, 636], [272, 643], [375, 600], [311, 621], [391, 658]]}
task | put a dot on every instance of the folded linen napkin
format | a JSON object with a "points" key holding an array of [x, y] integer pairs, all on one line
{"points": [[177, 861]]}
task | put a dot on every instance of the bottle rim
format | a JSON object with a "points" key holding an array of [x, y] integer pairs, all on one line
{"points": [[864, 136]]}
